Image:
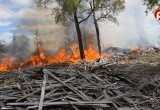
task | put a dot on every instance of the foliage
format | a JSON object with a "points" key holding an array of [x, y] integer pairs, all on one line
{"points": [[79, 11], [72, 10], [107, 9], [66, 10], [152, 4]]}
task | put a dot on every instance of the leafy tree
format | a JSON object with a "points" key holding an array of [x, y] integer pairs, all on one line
{"points": [[105, 10], [152, 4], [71, 10]]}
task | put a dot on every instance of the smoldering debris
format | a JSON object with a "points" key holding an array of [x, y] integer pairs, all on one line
{"points": [[117, 51]]}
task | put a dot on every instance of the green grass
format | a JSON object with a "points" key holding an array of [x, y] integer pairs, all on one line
{"points": [[150, 58]]}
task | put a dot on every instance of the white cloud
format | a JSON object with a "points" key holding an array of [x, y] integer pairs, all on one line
{"points": [[5, 23], [34, 13], [23, 11], [7, 37], [5, 12], [22, 2]]}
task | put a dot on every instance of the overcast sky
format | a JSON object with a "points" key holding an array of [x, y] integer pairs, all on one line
{"points": [[134, 24]]}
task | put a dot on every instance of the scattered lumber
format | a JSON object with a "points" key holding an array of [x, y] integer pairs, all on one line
{"points": [[93, 86]]}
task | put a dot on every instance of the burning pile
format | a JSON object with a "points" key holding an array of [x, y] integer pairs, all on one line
{"points": [[42, 59]]}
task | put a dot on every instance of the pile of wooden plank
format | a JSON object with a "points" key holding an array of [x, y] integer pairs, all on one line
{"points": [[82, 86]]}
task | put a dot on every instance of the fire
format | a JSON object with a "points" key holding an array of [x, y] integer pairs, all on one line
{"points": [[7, 63], [136, 49], [62, 56]]}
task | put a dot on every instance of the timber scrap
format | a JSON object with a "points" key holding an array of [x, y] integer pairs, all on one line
{"points": [[103, 85]]}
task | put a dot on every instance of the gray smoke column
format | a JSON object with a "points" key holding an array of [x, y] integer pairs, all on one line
{"points": [[24, 43], [50, 34], [19, 48], [135, 28]]}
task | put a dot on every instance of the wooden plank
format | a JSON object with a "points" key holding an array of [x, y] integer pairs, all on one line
{"points": [[125, 98], [82, 95], [87, 78], [61, 103], [42, 93], [7, 108], [96, 77], [19, 83], [8, 97], [27, 95], [127, 108]]}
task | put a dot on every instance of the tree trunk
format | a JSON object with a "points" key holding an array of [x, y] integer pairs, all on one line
{"points": [[97, 33], [79, 35]]}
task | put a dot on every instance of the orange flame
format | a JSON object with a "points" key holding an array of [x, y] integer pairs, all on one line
{"points": [[136, 49], [7, 63], [62, 56]]}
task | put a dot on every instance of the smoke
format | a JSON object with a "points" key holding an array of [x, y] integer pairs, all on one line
{"points": [[19, 47], [35, 26], [51, 35], [88, 33], [135, 28]]}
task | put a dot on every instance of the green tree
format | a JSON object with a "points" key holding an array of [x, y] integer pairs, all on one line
{"points": [[105, 10], [152, 4], [79, 11], [71, 10]]}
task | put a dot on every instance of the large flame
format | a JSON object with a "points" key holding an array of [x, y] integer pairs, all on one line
{"points": [[62, 56]]}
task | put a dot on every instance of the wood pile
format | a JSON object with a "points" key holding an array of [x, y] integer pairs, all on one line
{"points": [[90, 86]]}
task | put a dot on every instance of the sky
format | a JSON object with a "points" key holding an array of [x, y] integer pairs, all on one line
{"points": [[134, 25], [11, 12]]}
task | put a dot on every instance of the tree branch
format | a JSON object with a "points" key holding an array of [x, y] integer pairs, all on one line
{"points": [[102, 17], [86, 17], [71, 19]]}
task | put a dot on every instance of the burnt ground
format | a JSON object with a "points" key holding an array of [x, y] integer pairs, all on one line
{"points": [[131, 83]]}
